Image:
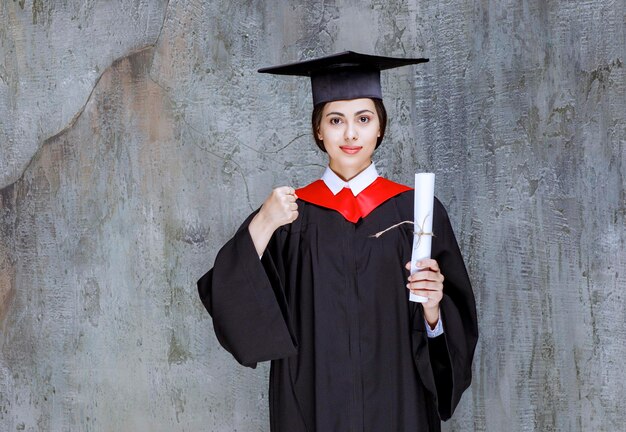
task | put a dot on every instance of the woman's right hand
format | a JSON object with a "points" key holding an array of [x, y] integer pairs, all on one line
{"points": [[279, 209]]}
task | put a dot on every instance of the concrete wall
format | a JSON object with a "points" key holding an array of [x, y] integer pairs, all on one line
{"points": [[136, 135]]}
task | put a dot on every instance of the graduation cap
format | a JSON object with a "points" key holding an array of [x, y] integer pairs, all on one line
{"points": [[343, 76]]}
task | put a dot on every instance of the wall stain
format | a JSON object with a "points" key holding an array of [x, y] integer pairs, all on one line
{"points": [[177, 354], [7, 260], [37, 9], [192, 234], [7, 285], [179, 403], [601, 74], [91, 300]]}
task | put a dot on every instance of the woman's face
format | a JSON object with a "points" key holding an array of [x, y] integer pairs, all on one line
{"points": [[349, 130]]}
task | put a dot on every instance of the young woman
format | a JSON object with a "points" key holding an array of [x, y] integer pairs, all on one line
{"points": [[305, 284]]}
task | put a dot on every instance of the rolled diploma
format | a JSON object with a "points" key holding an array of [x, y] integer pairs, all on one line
{"points": [[423, 221]]}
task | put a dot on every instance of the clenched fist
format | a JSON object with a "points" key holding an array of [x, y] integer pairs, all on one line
{"points": [[279, 209]]}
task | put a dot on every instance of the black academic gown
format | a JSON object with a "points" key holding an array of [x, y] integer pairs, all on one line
{"points": [[328, 305]]}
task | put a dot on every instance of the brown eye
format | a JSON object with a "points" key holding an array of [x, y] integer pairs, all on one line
{"points": [[364, 119], [335, 121]]}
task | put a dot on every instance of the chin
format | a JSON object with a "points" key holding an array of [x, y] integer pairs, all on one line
{"points": [[352, 166]]}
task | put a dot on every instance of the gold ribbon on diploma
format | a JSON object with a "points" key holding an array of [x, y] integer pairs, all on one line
{"points": [[419, 233]]}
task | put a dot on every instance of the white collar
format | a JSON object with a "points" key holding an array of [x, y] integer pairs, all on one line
{"points": [[356, 185]]}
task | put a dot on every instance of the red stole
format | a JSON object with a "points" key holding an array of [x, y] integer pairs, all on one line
{"points": [[352, 208]]}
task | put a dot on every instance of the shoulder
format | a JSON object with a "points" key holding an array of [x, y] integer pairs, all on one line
{"points": [[385, 189], [391, 185], [315, 188], [403, 194], [439, 209], [406, 200]]}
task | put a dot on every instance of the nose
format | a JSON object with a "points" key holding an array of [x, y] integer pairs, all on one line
{"points": [[351, 132]]}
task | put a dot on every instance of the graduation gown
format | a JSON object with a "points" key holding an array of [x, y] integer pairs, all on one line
{"points": [[328, 305]]}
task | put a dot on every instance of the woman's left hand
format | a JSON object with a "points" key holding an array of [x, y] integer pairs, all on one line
{"points": [[427, 282]]}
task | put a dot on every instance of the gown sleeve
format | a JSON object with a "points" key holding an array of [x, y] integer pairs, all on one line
{"points": [[450, 355], [245, 297]]}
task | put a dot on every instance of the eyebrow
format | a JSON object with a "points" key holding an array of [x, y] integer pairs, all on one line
{"points": [[343, 115]]}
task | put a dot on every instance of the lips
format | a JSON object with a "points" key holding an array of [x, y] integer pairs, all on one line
{"points": [[350, 149]]}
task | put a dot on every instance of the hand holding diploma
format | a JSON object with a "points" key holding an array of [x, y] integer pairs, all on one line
{"points": [[427, 283], [422, 223]]}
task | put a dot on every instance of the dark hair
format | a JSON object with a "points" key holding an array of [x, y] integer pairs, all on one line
{"points": [[316, 120]]}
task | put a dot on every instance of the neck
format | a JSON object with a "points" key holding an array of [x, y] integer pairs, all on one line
{"points": [[348, 173]]}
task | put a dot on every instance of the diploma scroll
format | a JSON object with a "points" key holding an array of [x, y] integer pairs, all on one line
{"points": [[423, 223]]}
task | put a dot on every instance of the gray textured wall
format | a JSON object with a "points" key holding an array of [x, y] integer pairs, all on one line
{"points": [[135, 136]]}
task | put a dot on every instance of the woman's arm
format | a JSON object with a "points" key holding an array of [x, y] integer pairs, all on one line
{"points": [[245, 295], [447, 369], [279, 209]]}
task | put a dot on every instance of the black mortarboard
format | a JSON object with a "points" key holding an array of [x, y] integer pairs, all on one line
{"points": [[343, 76]]}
